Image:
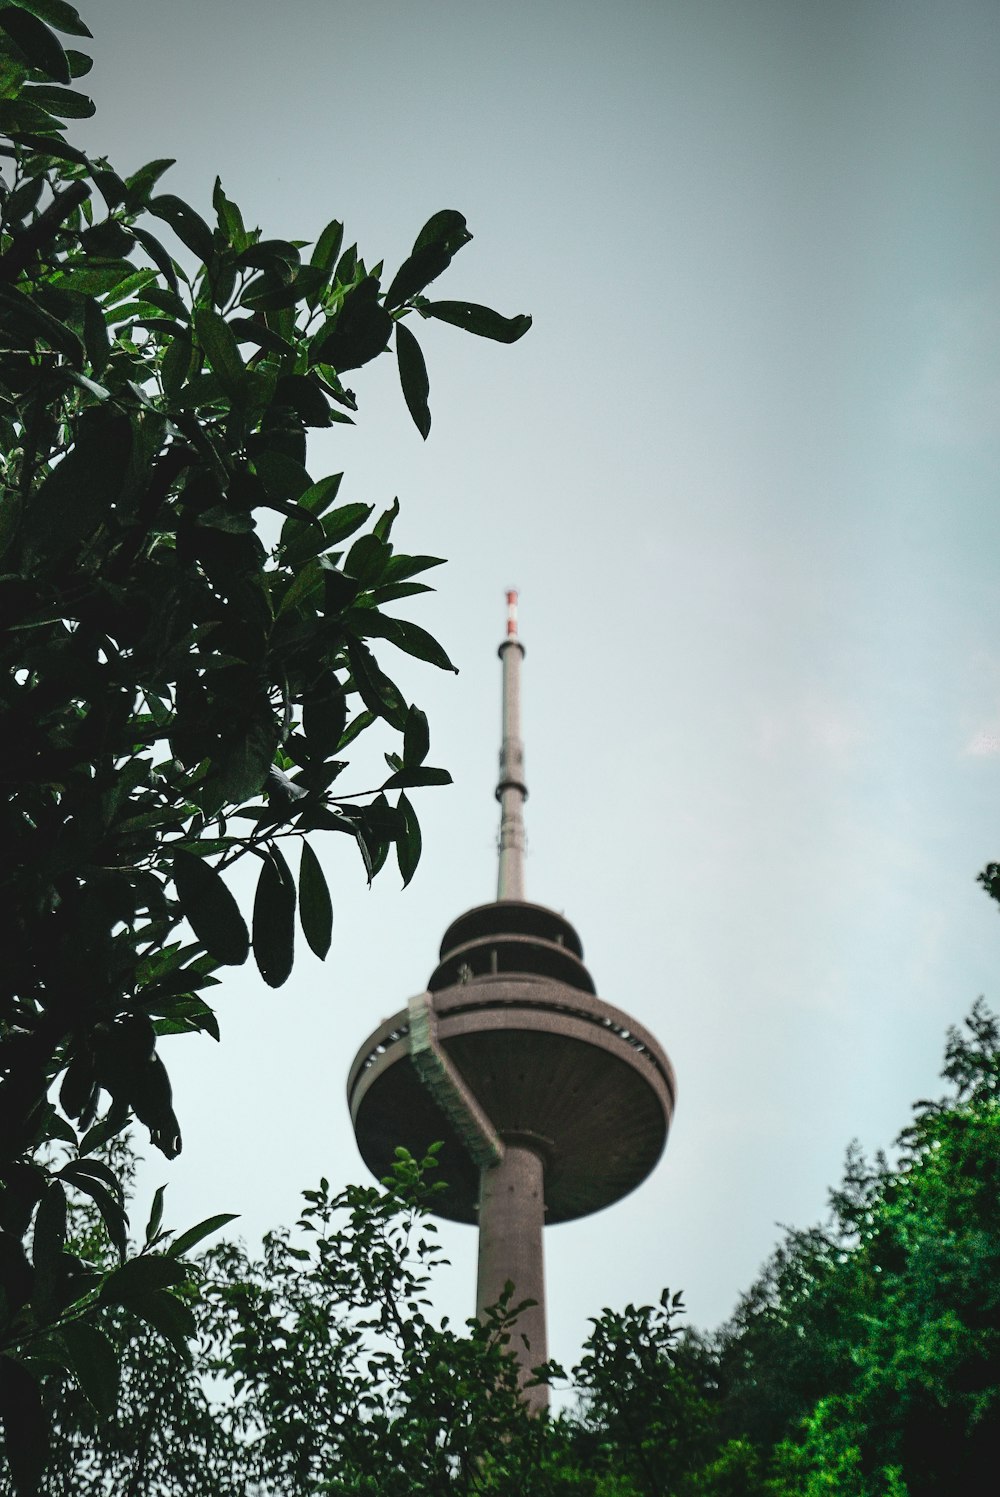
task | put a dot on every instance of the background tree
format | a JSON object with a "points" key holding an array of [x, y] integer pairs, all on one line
{"points": [[865, 1360], [186, 617], [326, 1373], [920, 1411]]}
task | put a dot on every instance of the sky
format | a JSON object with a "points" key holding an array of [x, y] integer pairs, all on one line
{"points": [[743, 470]]}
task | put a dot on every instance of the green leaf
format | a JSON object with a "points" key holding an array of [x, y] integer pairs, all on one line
{"points": [[413, 378], [198, 1233], [438, 242], [170, 1316], [155, 1215], [25, 313], [380, 695], [378, 825], [416, 738], [91, 386], [401, 567], [23, 200], [306, 588], [59, 14], [339, 591], [366, 560], [446, 227], [327, 246], [167, 301], [95, 336], [79, 63], [229, 217], [342, 522], [347, 266], [190, 228], [40, 47], [112, 1212], [274, 919], [116, 282], [67, 103], [221, 348], [94, 1363], [415, 641], [108, 237], [210, 909], [315, 909], [105, 1128], [355, 727], [176, 364], [482, 321], [16, 115], [141, 183], [324, 717], [308, 280], [383, 525], [282, 477], [94, 1167], [304, 533], [110, 185], [408, 846], [248, 756], [304, 397], [318, 499], [420, 775], [255, 330], [270, 254], [140, 1277], [360, 333], [393, 591], [52, 146]]}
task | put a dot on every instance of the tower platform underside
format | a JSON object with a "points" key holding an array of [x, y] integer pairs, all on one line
{"points": [[552, 1066]]}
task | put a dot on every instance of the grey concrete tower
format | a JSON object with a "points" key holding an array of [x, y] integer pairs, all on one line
{"points": [[550, 1103]]}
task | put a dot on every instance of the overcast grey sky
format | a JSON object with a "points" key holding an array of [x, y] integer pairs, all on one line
{"points": [[743, 470]]}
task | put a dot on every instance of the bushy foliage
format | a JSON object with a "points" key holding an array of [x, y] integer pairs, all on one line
{"points": [[317, 1368], [186, 618], [865, 1361], [868, 1356]]}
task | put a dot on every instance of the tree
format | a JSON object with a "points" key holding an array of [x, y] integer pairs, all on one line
{"points": [[643, 1417], [327, 1373], [920, 1411], [168, 654], [866, 1359]]}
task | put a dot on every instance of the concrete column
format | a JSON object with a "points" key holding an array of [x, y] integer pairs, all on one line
{"points": [[511, 1218], [511, 791]]}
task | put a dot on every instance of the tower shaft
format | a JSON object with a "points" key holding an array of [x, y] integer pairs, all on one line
{"points": [[511, 1218], [511, 789]]}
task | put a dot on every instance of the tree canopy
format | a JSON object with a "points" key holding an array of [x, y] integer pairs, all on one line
{"points": [[864, 1361], [188, 616]]}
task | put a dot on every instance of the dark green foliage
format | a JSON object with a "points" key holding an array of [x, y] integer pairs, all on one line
{"points": [[864, 1362], [327, 1372], [867, 1358], [643, 1417], [990, 880], [183, 658]]}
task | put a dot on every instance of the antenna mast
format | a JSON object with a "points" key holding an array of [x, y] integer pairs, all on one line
{"points": [[511, 789]]}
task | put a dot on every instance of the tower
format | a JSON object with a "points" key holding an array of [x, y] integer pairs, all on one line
{"points": [[549, 1102]]}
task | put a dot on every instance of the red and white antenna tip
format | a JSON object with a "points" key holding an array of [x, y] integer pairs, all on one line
{"points": [[512, 614]]}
